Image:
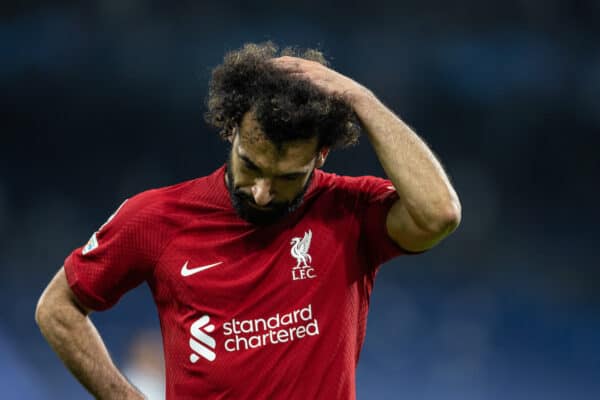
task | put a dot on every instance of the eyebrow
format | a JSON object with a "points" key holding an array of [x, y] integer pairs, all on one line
{"points": [[253, 166]]}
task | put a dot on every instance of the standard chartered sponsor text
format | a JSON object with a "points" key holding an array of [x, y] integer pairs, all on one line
{"points": [[279, 328]]}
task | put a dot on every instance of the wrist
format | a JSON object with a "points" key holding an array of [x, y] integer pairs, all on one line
{"points": [[361, 97]]}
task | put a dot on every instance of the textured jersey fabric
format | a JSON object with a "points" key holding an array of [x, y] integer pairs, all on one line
{"points": [[247, 312]]}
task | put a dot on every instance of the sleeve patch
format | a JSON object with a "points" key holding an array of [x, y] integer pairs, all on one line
{"points": [[93, 242], [91, 245]]}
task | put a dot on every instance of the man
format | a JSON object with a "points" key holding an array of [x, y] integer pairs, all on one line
{"points": [[261, 271]]}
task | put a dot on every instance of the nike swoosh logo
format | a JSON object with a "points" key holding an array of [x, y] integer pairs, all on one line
{"points": [[185, 271]]}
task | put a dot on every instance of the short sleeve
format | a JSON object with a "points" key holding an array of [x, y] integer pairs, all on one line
{"points": [[119, 256], [375, 198]]}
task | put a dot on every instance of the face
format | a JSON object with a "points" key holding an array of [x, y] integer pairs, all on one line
{"points": [[266, 183]]}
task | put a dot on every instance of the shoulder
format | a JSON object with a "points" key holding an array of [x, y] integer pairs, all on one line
{"points": [[366, 186], [183, 197], [163, 207], [156, 199]]}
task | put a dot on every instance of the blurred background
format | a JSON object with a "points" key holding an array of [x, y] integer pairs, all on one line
{"points": [[103, 99]]}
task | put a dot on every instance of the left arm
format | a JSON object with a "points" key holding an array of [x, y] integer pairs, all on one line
{"points": [[428, 209]]}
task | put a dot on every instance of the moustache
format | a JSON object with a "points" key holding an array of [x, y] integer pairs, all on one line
{"points": [[245, 197]]}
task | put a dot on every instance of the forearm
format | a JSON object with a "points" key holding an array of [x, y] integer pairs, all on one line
{"points": [[77, 342], [417, 175], [426, 195]]}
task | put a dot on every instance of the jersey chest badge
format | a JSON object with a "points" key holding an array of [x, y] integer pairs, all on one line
{"points": [[299, 250]]}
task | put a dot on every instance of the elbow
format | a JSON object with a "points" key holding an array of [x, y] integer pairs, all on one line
{"points": [[446, 219], [453, 216]]}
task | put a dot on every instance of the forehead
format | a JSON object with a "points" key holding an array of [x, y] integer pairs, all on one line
{"points": [[253, 144]]}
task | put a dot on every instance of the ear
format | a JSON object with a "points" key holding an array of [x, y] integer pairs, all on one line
{"points": [[321, 157]]}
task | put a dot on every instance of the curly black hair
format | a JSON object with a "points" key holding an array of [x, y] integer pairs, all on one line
{"points": [[287, 108]]}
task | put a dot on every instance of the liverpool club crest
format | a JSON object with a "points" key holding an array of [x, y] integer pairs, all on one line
{"points": [[299, 251]]}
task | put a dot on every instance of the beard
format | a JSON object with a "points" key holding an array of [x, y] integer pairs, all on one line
{"points": [[275, 211]]}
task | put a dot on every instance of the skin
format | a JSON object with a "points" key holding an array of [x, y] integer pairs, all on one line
{"points": [[428, 210], [66, 325], [269, 174]]}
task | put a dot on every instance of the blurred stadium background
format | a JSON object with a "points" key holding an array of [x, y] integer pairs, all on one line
{"points": [[103, 99]]}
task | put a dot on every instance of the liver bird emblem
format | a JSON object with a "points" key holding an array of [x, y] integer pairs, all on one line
{"points": [[300, 249]]}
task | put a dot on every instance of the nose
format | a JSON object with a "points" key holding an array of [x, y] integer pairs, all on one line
{"points": [[261, 191]]}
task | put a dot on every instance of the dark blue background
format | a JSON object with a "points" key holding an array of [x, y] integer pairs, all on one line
{"points": [[103, 100]]}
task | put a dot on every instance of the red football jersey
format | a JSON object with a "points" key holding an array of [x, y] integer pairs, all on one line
{"points": [[247, 312]]}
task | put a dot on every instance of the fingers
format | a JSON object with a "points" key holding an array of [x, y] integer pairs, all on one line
{"points": [[293, 64], [311, 71], [286, 65]]}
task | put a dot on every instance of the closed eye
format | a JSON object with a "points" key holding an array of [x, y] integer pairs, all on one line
{"points": [[249, 165], [291, 177]]}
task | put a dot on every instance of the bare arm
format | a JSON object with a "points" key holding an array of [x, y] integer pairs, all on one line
{"points": [[65, 324], [428, 209]]}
